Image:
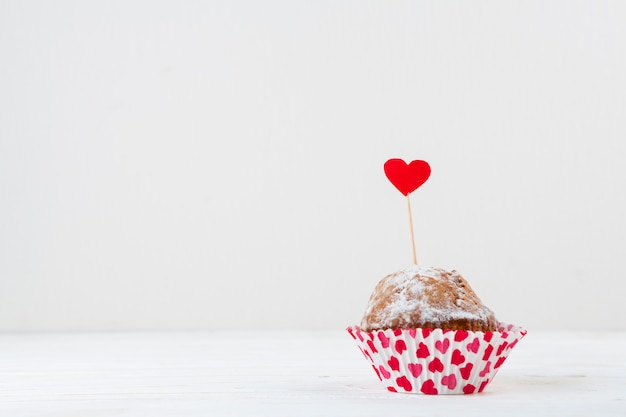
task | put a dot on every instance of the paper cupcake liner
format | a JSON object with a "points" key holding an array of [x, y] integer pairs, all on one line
{"points": [[436, 361]]}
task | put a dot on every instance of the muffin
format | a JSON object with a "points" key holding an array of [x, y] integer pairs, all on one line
{"points": [[426, 297], [426, 331]]}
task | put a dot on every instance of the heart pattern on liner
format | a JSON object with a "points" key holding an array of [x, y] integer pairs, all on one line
{"points": [[415, 369], [442, 345], [457, 357], [436, 361]]}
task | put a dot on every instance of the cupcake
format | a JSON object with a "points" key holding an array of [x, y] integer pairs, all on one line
{"points": [[425, 331]]}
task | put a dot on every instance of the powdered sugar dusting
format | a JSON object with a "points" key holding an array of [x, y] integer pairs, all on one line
{"points": [[423, 294]]}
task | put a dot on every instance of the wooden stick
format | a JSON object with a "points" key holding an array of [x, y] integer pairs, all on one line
{"points": [[408, 200]]}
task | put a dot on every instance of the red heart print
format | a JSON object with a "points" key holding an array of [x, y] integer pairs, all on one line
{"points": [[393, 363], [415, 369], [466, 371], [400, 346], [487, 336], [397, 332], [428, 387], [473, 347], [385, 373], [457, 357], [513, 343], [483, 385], [499, 362], [487, 353], [449, 381], [351, 332], [435, 365], [469, 389], [460, 335], [403, 382], [407, 177], [422, 351], [442, 346], [377, 373], [365, 353], [372, 347], [485, 370], [426, 332], [392, 389], [359, 335], [384, 340], [412, 333], [501, 348]]}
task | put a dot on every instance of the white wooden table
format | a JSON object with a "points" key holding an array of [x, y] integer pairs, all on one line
{"points": [[288, 374]]}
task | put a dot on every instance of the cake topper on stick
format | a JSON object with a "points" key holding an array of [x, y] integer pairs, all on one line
{"points": [[407, 178]]}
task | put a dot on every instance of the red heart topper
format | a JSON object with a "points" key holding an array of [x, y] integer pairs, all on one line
{"points": [[407, 177]]}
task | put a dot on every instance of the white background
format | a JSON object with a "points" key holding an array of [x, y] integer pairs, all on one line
{"points": [[218, 165]]}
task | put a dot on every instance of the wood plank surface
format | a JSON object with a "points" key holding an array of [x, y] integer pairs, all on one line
{"points": [[290, 373]]}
